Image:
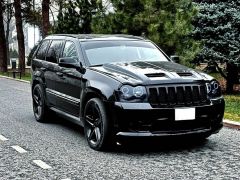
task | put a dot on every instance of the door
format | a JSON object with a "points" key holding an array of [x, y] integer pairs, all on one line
{"points": [[43, 71], [51, 70], [69, 83]]}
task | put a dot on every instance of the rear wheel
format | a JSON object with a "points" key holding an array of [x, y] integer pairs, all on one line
{"points": [[96, 125], [40, 109]]}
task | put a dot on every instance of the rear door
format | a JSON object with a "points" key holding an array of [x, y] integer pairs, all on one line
{"points": [[41, 68], [52, 70]]}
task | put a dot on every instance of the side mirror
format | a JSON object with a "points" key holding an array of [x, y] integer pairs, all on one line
{"points": [[70, 62], [175, 58]]}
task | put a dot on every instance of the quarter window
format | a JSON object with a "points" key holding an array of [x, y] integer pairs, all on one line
{"points": [[42, 50], [54, 51]]}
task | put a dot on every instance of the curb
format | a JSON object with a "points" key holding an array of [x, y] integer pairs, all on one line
{"points": [[20, 80], [226, 122], [231, 124]]}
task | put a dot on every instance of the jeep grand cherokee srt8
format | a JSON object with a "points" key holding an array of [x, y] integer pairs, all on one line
{"points": [[122, 86]]}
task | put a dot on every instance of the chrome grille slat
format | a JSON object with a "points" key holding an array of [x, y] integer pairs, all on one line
{"points": [[162, 95]]}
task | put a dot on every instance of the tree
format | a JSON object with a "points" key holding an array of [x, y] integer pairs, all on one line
{"points": [[31, 13], [60, 12], [121, 20], [167, 23], [20, 35], [218, 27], [45, 17], [3, 47], [76, 16]]}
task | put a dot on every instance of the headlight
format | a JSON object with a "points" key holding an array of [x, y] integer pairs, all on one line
{"points": [[128, 92], [213, 89]]}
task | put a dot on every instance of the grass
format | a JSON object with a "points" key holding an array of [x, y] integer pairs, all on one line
{"points": [[232, 108], [26, 77]]}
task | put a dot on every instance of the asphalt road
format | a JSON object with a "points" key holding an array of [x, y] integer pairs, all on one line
{"points": [[61, 145]]}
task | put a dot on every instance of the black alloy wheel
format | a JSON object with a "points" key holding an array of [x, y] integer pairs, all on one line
{"points": [[96, 125], [40, 110]]}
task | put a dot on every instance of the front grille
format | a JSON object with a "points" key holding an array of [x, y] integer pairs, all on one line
{"points": [[177, 95]]}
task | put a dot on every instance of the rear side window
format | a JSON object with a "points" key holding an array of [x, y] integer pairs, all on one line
{"points": [[54, 51], [42, 50]]}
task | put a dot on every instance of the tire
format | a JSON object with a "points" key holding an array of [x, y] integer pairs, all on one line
{"points": [[41, 111], [96, 125]]}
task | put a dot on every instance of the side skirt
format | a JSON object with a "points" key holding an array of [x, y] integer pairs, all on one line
{"points": [[69, 117]]}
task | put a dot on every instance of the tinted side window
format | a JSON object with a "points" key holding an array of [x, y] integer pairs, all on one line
{"points": [[42, 50], [70, 50], [54, 51]]}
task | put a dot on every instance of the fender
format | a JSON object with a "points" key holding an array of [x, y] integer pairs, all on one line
{"points": [[37, 79], [95, 88]]}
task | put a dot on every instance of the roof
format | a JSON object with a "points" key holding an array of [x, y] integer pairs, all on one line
{"points": [[86, 37]]}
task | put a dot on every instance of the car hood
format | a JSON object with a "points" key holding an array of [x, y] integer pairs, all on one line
{"points": [[149, 72]]}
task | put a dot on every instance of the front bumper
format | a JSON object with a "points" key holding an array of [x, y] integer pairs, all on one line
{"points": [[142, 120]]}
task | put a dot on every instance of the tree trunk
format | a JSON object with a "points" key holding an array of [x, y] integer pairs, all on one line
{"points": [[8, 50], [20, 35], [60, 3], [9, 18], [232, 76], [3, 48], [7, 37], [45, 17]]}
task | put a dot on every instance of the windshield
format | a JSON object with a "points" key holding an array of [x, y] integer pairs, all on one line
{"points": [[101, 52]]}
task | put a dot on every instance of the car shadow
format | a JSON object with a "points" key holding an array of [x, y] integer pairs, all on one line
{"points": [[66, 124], [163, 144], [139, 145]]}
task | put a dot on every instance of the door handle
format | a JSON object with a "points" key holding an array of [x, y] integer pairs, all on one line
{"points": [[59, 74], [43, 69]]}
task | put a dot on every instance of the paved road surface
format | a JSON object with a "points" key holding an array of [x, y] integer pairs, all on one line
{"points": [[64, 153]]}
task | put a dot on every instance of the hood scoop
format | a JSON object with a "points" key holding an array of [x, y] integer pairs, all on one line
{"points": [[153, 75], [185, 74]]}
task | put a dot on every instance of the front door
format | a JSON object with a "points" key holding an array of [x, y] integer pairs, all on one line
{"points": [[68, 84]]}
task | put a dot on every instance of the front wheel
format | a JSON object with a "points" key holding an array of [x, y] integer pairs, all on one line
{"points": [[96, 125]]}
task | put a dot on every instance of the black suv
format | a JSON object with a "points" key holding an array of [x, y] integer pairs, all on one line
{"points": [[122, 86]]}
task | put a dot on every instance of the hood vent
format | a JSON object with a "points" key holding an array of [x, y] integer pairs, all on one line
{"points": [[185, 74], [152, 75]]}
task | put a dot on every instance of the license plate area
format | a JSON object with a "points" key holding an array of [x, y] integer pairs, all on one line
{"points": [[182, 114]]}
